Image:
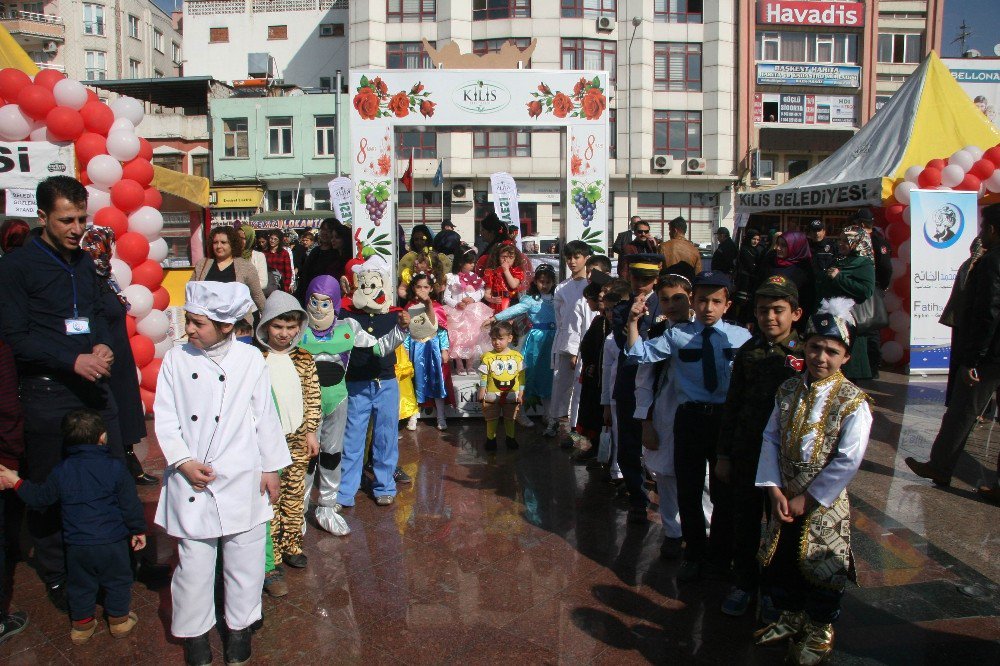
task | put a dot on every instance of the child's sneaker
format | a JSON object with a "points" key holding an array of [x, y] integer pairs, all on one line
{"points": [[399, 476], [12, 625], [736, 602], [524, 420], [274, 583], [491, 444], [442, 423], [121, 627], [82, 631], [295, 560], [552, 429], [384, 500], [411, 423]]}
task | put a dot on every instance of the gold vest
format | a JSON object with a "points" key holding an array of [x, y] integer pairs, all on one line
{"points": [[825, 557]]}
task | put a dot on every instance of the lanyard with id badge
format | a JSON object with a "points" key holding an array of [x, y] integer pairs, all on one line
{"points": [[75, 325]]}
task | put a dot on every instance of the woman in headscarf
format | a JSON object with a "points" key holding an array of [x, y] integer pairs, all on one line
{"points": [[227, 265], [851, 276], [792, 259], [124, 385], [13, 233], [256, 258]]}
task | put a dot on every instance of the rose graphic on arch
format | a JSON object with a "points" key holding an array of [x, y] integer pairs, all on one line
{"points": [[587, 101], [372, 100]]}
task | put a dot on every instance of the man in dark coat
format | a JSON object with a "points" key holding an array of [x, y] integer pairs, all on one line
{"points": [[724, 259]]}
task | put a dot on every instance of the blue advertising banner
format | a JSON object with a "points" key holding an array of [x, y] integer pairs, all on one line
{"points": [[789, 74], [942, 226]]}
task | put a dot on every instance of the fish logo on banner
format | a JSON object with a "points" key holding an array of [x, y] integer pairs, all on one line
{"points": [[342, 198], [505, 202]]}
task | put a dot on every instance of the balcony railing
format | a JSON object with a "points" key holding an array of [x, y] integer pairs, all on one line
{"points": [[44, 26], [32, 16]]}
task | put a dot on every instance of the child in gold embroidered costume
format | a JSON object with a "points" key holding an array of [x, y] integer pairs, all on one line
{"points": [[813, 445]]}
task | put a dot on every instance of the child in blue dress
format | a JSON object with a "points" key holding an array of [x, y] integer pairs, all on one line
{"points": [[537, 349], [427, 344]]}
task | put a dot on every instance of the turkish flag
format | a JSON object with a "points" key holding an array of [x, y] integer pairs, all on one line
{"points": [[407, 178]]}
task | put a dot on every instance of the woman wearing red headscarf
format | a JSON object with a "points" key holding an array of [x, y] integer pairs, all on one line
{"points": [[792, 259]]}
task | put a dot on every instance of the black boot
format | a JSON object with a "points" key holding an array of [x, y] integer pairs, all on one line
{"points": [[238, 646], [197, 651]]}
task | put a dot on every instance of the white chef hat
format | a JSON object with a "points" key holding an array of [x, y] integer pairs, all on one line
{"points": [[224, 302], [373, 264]]}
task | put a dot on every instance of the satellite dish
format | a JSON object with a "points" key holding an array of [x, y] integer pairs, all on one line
{"points": [[996, 50], [972, 53]]}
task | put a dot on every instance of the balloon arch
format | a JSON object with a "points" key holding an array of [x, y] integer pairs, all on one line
{"points": [[115, 165]]}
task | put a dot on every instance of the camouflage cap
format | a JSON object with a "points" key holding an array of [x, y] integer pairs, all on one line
{"points": [[778, 286]]}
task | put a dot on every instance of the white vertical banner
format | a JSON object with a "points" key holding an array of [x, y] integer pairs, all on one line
{"points": [[342, 199], [943, 225], [505, 201]]}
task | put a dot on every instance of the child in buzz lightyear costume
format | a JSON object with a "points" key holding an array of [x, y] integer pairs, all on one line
{"points": [[330, 340]]}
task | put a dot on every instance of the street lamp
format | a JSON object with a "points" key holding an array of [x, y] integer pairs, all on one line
{"points": [[636, 22]]}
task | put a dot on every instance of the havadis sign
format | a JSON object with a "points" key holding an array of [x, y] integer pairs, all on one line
{"points": [[835, 14]]}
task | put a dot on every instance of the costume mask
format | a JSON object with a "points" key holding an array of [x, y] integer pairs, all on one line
{"points": [[372, 278], [323, 305]]}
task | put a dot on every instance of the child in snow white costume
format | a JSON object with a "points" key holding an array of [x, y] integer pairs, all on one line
{"points": [[330, 341], [219, 431]]}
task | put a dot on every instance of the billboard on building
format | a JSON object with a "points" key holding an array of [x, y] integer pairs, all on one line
{"points": [[786, 74], [980, 79], [798, 109], [839, 14]]}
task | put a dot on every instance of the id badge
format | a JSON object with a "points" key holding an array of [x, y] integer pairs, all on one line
{"points": [[77, 326]]}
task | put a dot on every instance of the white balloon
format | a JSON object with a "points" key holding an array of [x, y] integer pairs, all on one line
{"points": [[902, 192], [71, 93], [892, 352], [962, 159], [898, 267], [903, 252], [121, 124], [993, 182], [892, 302], [161, 348], [138, 373], [975, 151], [154, 325], [40, 134], [899, 321], [97, 199], [952, 175], [158, 250], [140, 300], [15, 125], [123, 145], [907, 215], [127, 107], [121, 271], [104, 171], [913, 173], [146, 221]]}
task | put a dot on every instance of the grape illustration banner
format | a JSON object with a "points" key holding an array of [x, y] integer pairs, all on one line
{"points": [[386, 99]]}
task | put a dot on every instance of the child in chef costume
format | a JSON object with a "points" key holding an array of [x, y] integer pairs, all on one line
{"points": [[220, 434]]}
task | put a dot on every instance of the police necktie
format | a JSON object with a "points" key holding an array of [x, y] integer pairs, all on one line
{"points": [[708, 361]]}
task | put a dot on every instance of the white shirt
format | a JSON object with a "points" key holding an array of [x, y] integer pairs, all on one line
{"points": [[609, 369], [456, 291], [571, 321]]}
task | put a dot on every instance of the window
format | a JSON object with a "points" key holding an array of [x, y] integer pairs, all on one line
{"points": [[199, 165], [325, 143], [406, 55], [134, 69], [895, 48], [700, 209], [157, 74], [326, 83], [486, 10], [331, 29], [612, 133], [422, 208], [824, 49], [787, 46], [321, 199], [172, 161], [423, 144], [133, 26], [591, 54], [797, 165], [770, 46], [175, 52], [677, 133], [93, 19], [677, 67], [409, 11], [33, 7], [279, 135], [236, 137], [484, 46], [677, 11], [589, 8], [501, 144], [764, 168], [218, 35], [284, 200], [157, 40], [277, 32], [97, 65]]}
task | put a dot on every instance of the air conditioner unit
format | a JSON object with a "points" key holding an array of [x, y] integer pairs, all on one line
{"points": [[696, 165], [260, 66], [461, 193], [50, 47], [605, 24], [663, 162]]}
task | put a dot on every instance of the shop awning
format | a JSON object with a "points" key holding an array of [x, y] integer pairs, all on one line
{"points": [[285, 220]]}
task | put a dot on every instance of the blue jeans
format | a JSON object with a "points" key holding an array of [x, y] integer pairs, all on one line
{"points": [[376, 401]]}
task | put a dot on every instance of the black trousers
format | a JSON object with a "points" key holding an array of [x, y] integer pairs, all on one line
{"points": [[749, 508], [964, 405], [90, 569], [695, 435], [630, 450], [874, 341], [46, 402], [789, 589]]}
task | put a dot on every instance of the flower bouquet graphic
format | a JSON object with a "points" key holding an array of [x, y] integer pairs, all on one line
{"points": [[372, 100], [587, 101]]}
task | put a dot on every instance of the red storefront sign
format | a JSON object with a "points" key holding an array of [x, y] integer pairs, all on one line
{"points": [[823, 14]]}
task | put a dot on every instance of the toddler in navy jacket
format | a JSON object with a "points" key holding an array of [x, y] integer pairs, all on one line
{"points": [[101, 517]]}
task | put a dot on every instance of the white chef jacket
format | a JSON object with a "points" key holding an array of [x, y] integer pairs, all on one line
{"points": [[572, 316], [609, 369], [218, 411]]}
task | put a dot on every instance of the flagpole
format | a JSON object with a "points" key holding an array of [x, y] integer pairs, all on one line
{"points": [[413, 199], [441, 169]]}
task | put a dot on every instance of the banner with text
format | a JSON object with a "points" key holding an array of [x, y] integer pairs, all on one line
{"points": [[342, 199], [505, 201], [24, 164], [21, 203], [786, 74], [942, 227], [980, 79]]}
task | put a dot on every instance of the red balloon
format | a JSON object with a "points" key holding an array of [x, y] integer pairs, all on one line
{"points": [[993, 155], [111, 217], [97, 117], [937, 164], [161, 299], [145, 150], [983, 169], [92, 96], [132, 248], [149, 274], [64, 123], [48, 78], [12, 81], [147, 398], [130, 325], [36, 101], [139, 170], [89, 146], [969, 184], [150, 373], [901, 286], [894, 213], [929, 177], [84, 178], [142, 350], [152, 198], [897, 233], [886, 334], [127, 195]]}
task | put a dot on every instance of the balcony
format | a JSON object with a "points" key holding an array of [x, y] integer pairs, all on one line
{"points": [[29, 26]]}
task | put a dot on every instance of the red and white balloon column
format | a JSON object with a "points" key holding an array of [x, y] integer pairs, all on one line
{"points": [[971, 170], [115, 166]]}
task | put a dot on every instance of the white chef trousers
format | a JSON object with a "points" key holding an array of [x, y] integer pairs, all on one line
{"points": [[563, 386]]}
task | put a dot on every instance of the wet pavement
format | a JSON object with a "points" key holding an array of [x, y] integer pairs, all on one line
{"points": [[525, 557]]}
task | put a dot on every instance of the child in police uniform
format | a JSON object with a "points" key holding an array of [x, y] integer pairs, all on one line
{"points": [[223, 457]]}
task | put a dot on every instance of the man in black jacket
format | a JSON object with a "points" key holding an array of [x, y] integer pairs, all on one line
{"points": [[724, 259], [979, 359]]}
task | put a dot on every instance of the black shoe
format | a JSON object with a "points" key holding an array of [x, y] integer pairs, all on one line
{"points": [[57, 595], [595, 465], [13, 624], [925, 470], [400, 477], [671, 548], [491, 444], [238, 646], [146, 480], [511, 444], [197, 651], [296, 561]]}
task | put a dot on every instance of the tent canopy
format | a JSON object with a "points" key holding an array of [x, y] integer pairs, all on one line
{"points": [[929, 117]]}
